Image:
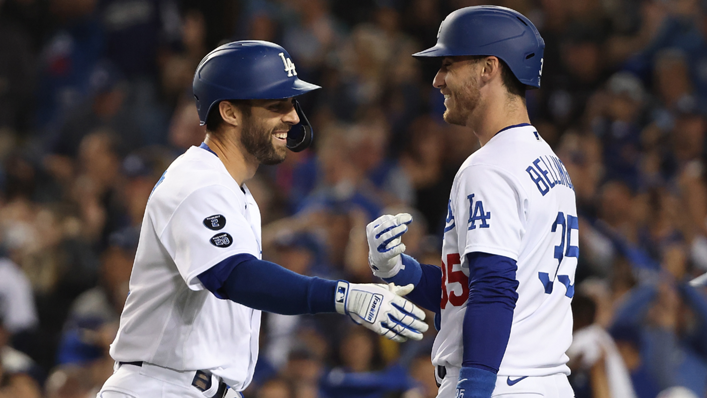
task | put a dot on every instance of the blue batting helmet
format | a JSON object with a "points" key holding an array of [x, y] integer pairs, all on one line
{"points": [[251, 69], [492, 30]]}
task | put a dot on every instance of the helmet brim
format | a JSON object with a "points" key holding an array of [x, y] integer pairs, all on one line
{"points": [[437, 51], [300, 87]]}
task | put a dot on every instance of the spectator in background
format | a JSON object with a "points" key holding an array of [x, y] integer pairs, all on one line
{"points": [[19, 375], [184, 129], [66, 58], [422, 372], [93, 318], [16, 98], [140, 35], [671, 80], [106, 108], [310, 34], [598, 370], [275, 388], [423, 162], [383, 180], [17, 309], [567, 92], [69, 382], [671, 319], [618, 126], [303, 372], [361, 373]]}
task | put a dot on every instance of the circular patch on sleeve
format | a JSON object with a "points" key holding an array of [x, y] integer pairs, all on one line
{"points": [[215, 222], [222, 240]]}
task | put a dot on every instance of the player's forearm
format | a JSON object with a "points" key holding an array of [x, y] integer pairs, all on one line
{"points": [[492, 298], [269, 287], [698, 303], [427, 280]]}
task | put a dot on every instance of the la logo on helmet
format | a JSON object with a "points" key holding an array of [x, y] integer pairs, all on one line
{"points": [[289, 65]]}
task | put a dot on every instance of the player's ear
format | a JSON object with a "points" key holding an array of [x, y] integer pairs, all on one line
{"points": [[229, 113], [490, 68]]}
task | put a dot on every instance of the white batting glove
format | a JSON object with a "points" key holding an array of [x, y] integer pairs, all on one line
{"points": [[385, 244], [381, 309]]}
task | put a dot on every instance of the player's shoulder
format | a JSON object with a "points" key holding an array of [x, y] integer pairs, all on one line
{"points": [[510, 148], [195, 172], [505, 157]]}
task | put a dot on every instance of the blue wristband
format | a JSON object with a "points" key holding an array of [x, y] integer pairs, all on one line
{"points": [[410, 273], [475, 383]]}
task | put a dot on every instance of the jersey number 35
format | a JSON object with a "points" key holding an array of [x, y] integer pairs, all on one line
{"points": [[562, 251]]}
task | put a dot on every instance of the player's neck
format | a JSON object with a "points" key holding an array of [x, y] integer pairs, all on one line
{"points": [[497, 114], [238, 163]]}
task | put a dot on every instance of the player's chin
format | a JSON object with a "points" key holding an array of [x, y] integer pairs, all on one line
{"points": [[453, 118], [276, 156]]}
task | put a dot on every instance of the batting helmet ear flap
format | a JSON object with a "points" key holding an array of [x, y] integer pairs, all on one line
{"points": [[301, 135]]}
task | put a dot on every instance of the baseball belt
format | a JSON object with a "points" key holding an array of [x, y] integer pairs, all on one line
{"points": [[202, 380], [441, 372]]}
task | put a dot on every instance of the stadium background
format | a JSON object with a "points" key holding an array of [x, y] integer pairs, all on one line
{"points": [[95, 102]]}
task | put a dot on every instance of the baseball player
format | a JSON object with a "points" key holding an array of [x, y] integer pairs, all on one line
{"points": [[502, 295], [191, 321]]}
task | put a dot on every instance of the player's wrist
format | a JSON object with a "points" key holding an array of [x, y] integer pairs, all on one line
{"points": [[475, 382], [388, 269], [341, 291]]}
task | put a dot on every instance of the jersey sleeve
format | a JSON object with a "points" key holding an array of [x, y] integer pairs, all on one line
{"points": [[491, 209], [206, 228]]}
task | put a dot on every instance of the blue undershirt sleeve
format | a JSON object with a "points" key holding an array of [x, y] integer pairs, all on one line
{"points": [[427, 280], [266, 286], [492, 298]]}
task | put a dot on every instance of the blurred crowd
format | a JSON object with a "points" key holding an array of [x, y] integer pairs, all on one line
{"points": [[95, 102]]}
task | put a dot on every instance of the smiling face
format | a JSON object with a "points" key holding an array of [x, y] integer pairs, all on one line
{"points": [[264, 129], [457, 81]]}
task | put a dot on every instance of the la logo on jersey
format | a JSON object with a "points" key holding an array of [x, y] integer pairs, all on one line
{"points": [[289, 65]]}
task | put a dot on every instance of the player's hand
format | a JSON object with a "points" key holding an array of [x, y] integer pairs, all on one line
{"points": [[385, 244], [380, 308]]}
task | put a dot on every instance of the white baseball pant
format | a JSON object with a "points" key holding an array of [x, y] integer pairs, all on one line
{"points": [[151, 381], [552, 386]]}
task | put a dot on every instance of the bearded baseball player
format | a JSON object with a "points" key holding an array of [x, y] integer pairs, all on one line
{"points": [[502, 295], [191, 321]]}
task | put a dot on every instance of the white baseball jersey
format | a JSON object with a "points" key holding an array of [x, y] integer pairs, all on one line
{"points": [[196, 217], [514, 198]]}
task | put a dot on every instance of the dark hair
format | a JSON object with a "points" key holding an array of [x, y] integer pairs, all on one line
{"points": [[513, 85], [214, 119]]}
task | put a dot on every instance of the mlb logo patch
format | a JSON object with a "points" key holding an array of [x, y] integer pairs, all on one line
{"points": [[340, 294]]}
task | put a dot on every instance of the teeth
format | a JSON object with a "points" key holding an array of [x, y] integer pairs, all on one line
{"points": [[447, 97], [282, 136]]}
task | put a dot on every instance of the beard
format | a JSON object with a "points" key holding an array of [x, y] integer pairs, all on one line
{"points": [[257, 141], [464, 101]]}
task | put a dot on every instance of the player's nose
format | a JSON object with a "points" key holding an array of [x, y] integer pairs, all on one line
{"points": [[291, 117], [439, 80]]}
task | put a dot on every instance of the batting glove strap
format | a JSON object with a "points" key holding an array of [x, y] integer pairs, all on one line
{"points": [[380, 308], [475, 383], [397, 266], [342, 292]]}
